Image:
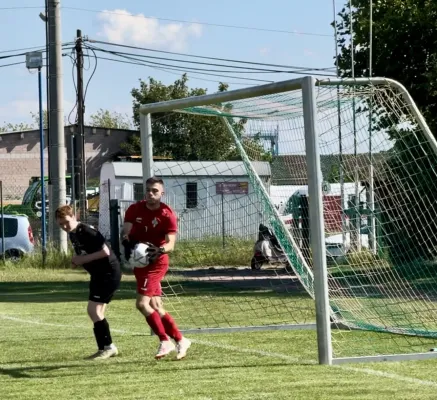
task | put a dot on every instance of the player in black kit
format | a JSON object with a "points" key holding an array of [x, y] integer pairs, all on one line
{"points": [[100, 262]]}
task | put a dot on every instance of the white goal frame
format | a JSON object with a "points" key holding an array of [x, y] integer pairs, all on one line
{"points": [[307, 85]]}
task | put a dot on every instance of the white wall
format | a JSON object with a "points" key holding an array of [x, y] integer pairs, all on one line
{"points": [[240, 213]]}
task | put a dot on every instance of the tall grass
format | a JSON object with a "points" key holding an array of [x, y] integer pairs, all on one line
{"points": [[211, 252], [207, 252], [54, 259]]}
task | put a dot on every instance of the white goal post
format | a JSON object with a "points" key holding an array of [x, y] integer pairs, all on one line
{"points": [[315, 279]]}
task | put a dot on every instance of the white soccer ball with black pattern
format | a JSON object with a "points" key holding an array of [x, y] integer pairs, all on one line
{"points": [[140, 256]]}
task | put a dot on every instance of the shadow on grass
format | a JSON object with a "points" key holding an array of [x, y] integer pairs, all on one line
{"points": [[39, 372], [183, 283], [415, 281]]}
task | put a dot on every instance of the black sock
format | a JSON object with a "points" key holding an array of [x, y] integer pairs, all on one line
{"points": [[102, 333], [98, 336]]}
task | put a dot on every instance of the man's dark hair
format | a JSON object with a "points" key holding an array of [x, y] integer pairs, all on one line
{"points": [[152, 180]]}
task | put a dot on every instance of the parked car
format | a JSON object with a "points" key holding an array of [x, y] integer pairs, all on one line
{"points": [[335, 247], [18, 236]]}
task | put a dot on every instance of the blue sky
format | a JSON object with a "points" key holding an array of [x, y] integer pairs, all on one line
{"points": [[111, 85]]}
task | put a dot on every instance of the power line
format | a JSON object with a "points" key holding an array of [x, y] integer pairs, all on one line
{"points": [[207, 58], [143, 63], [188, 74], [245, 70], [193, 75], [22, 8], [9, 65], [25, 48], [42, 50], [200, 23], [13, 55], [92, 74], [132, 56]]}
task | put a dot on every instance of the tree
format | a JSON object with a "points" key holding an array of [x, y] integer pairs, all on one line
{"points": [[22, 126], [101, 119], [45, 119], [404, 46], [111, 120], [404, 49], [183, 136]]}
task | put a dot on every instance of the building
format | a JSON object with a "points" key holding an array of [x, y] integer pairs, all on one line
{"points": [[211, 199], [20, 155]]}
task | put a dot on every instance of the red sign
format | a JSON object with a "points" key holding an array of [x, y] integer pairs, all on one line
{"points": [[232, 188]]}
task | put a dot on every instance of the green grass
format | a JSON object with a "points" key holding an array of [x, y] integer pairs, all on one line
{"points": [[45, 334]]}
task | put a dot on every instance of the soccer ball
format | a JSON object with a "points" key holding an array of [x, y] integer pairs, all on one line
{"points": [[140, 256]]}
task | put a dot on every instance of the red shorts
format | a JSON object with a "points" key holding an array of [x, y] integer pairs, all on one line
{"points": [[149, 280]]}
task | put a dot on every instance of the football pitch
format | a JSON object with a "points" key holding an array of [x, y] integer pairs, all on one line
{"points": [[45, 335]]}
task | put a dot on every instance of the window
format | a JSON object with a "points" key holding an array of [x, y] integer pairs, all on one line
{"points": [[11, 227], [138, 191], [191, 194]]}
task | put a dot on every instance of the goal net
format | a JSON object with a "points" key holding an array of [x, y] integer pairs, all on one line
{"points": [[376, 188]]}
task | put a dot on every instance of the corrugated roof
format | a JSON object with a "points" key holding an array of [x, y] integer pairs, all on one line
{"points": [[292, 169], [191, 168], [67, 128]]}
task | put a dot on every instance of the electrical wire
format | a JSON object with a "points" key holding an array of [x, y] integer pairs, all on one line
{"points": [[177, 69], [9, 65], [129, 56], [15, 55], [31, 48], [238, 67], [199, 23], [89, 61], [41, 50], [73, 62], [73, 58], [194, 75], [21, 8], [91, 76], [205, 57]]}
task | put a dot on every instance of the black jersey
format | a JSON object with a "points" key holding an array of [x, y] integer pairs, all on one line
{"points": [[87, 240]]}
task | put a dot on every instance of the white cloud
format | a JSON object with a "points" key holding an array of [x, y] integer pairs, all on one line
{"points": [[120, 26], [264, 51]]}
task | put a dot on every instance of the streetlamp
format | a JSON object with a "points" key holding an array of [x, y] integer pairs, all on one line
{"points": [[34, 60]]}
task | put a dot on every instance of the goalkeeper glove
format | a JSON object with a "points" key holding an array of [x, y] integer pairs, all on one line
{"points": [[128, 247]]}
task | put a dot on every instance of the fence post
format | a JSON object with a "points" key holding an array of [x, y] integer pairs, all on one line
{"points": [[305, 232], [223, 222], [2, 222], [114, 212]]}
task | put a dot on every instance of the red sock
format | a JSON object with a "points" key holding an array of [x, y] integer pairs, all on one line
{"points": [[171, 328], [154, 321]]}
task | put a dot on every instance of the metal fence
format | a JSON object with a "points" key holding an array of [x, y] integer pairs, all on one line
{"points": [[239, 218]]}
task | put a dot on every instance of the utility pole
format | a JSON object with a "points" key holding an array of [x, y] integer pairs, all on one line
{"points": [[57, 185], [45, 19], [79, 138]]}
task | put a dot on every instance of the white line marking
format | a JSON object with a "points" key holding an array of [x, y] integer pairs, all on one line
{"points": [[367, 371]]}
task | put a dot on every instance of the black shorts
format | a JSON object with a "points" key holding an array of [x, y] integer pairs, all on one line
{"points": [[102, 289]]}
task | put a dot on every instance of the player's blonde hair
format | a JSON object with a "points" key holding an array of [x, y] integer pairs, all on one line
{"points": [[64, 211]]}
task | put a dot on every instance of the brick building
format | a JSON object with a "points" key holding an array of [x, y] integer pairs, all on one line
{"points": [[20, 155]]}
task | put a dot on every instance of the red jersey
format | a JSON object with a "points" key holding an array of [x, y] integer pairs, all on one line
{"points": [[151, 225]]}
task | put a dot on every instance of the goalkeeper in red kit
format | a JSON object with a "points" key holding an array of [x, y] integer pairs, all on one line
{"points": [[153, 222]]}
